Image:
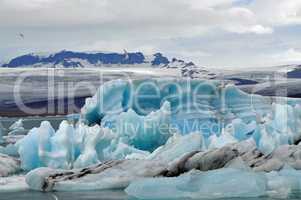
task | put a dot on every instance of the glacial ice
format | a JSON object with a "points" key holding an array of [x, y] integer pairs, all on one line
{"points": [[32, 147], [8, 165], [137, 119], [142, 132], [230, 182], [108, 175], [7, 141], [15, 183], [87, 146], [198, 138], [17, 128], [226, 137], [245, 169], [82, 145], [177, 146], [10, 150], [221, 183], [1, 132]]}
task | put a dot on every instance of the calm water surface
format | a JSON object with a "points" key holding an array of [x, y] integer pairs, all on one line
{"points": [[100, 195]]}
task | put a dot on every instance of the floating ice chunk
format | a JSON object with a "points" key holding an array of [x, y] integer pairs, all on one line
{"points": [[32, 148], [1, 132], [10, 150], [62, 146], [108, 175], [137, 156], [177, 146], [283, 116], [8, 165], [134, 119], [88, 154], [108, 100], [281, 186], [17, 128], [28, 151], [242, 130], [238, 163], [267, 142], [211, 159], [144, 132], [73, 117], [18, 124], [226, 137], [69, 147], [121, 151], [211, 101], [35, 179], [290, 173], [13, 184], [222, 183]]}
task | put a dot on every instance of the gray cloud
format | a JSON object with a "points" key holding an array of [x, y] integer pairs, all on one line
{"points": [[236, 34]]}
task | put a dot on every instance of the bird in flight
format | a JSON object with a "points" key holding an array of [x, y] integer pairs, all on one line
{"points": [[21, 35]]}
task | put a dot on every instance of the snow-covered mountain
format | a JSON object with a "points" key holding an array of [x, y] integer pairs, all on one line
{"points": [[71, 59], [293, 71]]}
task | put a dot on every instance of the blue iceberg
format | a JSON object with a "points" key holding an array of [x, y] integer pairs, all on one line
{"points": [[222, 183], [137, 119], [170, 138]]}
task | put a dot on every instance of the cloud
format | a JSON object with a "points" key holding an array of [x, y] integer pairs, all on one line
{"points": [[291, 55], [257, 29], [119, 46], [210, 32], [172, 17], [250, 20], [277, 13]]}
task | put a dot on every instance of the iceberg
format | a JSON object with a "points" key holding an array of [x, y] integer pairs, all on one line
{"points": [[17, 125], [17, 128], [32, 147], [87, 146], [8, 165], [243, 158], [170, 138], [1, 132], [15, 183], [221, 183], [283, 183], [61, 154], [205, 106], [142, 132], [107, 175], [177, 146], [10, 150], [7, 142], [231, 182], [138, 119], [226, 137], [242, 130]]}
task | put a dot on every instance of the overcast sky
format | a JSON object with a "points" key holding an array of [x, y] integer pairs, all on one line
{"points": [[233, 33]]}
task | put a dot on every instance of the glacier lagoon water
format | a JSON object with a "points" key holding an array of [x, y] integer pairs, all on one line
{"points": [[99, 195]]}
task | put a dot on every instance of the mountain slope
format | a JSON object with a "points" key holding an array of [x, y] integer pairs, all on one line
{"points": [[70, 59], [83, 59]]}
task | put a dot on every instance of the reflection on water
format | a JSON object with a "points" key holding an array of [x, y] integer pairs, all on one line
{"points": [[31, 195], [97, 195]]}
